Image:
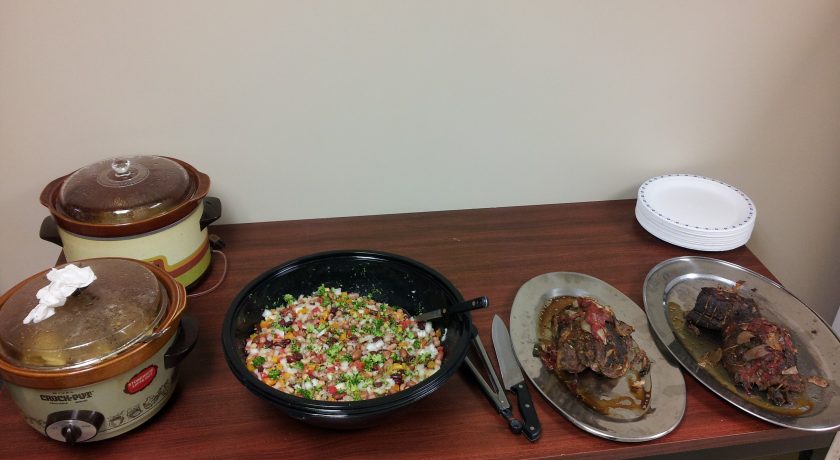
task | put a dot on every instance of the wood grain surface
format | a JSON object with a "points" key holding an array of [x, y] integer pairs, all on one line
{"points": [[489, 252]]}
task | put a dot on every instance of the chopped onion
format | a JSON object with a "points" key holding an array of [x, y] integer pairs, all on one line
{"points": [[756, 352], [744, 337], [602, 334], [818, 381]]}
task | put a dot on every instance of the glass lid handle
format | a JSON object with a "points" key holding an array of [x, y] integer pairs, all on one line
{"points": [[121, 167]]}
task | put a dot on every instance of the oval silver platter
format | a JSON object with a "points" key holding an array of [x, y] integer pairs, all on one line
{"points": [[667, 387], [678, 281]]}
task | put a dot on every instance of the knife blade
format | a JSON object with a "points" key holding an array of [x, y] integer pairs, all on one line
{"points": [[513, 380]]}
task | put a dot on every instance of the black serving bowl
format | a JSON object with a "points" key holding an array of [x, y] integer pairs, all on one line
{"points": [[388, 278]]}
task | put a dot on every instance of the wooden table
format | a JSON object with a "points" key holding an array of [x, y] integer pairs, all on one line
{"points": [[488, 252]]}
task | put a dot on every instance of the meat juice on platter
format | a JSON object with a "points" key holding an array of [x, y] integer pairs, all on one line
{"points": [[593, 354], [727, 335]]}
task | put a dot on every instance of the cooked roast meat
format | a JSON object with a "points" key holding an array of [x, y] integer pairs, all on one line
{"points": [[760, 354], [757, 354], [715, 306], [586, 335]]}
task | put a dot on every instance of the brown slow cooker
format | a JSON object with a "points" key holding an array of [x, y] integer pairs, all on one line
{"points": [[106, 361], [151, 208]]}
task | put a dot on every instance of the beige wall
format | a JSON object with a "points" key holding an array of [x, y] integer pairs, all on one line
{"points": [[329, 108]]}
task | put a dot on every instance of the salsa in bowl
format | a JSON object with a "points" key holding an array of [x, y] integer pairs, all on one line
{"points": [[339, 292]]}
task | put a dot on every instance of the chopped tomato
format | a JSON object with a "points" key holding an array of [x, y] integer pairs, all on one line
{"points": [[346, 351]]}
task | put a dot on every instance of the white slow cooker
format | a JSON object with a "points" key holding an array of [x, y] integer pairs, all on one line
{"points": [[151, 208], [106, 361]]}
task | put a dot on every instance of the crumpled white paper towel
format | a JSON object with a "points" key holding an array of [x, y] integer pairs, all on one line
{"points": [[63, 283]]}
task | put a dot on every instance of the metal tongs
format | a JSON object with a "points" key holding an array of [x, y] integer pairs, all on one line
{"points": [[494, 389]]}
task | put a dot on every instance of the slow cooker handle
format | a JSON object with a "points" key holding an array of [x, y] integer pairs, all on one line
{"points": [[184, 342], [212, 211], [49, 231]]}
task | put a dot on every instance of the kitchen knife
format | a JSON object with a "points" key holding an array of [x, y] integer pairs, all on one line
{"points": [[467, 305], [513, 380]]}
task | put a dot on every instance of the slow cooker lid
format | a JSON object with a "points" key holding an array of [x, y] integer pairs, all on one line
{"points": [[124, 190], [118, 309]]}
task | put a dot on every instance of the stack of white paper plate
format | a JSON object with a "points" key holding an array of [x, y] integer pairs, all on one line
{"points": [[695, 212]]}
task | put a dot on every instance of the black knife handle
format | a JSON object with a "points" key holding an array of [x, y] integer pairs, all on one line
{"points": [[532, 428], [514, 424], [473, 304]]}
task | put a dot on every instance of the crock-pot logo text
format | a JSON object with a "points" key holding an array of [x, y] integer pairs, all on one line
{"points": [[68, 397], [141, 380]]}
